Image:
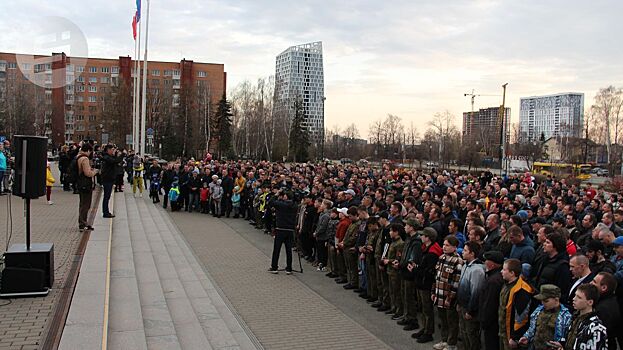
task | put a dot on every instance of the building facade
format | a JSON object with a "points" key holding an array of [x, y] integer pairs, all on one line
{"points": [[483, 128], [559, 115], [299, 74], [79, 107]]}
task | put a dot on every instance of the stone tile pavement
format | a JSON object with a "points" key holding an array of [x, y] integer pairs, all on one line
{"points": [[281, 311], [24, 322]]}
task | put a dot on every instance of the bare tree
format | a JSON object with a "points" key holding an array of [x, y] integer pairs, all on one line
{"points": [[606, 112]]}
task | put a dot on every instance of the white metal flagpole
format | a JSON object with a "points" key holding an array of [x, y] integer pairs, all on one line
{"points": [[137, 73], [134, 95], [144, 106]]}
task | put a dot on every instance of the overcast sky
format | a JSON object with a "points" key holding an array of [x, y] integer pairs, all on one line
{"points": [[409, 58]]}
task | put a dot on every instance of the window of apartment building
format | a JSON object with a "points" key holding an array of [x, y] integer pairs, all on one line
{"points": [[79, 69], [92, 118], [155, 91], [92, 98], [80, 79], [167, 81], [69, 88], [176, 82], [114, 70], [104, 80], [155, 81], [92, 69], [176, 72], [80, 88], [79, 117], [103, 90], [168, 72], [155, 72], [11, 65], [80, 127], [26, 66], [92, 80], [92, 108], [105, 70], [202, 74], [69, 68], [79, 98], [92, 88], [79, 107]]}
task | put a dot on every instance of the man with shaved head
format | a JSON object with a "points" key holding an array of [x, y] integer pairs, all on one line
{"points": [[581, 272]]}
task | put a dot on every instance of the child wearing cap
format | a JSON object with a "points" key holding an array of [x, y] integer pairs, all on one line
{"points": [[548, 322]]}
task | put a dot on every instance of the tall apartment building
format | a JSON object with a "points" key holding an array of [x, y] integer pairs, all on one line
{"points": [[551, 116], [73, 111], [484, 128], [299, 73]]}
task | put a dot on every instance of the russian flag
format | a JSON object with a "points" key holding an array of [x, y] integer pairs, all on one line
{"points": [[134, 25]]}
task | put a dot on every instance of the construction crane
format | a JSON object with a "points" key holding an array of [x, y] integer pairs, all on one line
{"points": [[473, 95]]}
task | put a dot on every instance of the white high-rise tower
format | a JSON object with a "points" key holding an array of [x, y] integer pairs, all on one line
{"points": [[299, 73]]}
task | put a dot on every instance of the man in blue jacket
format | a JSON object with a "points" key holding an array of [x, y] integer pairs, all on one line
{"points": [[470, 285]]}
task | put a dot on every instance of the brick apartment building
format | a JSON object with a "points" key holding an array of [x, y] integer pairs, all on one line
{"points": [[73, 111]]}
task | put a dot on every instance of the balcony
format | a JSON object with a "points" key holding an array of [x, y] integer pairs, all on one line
{"points": [[69, 101]]}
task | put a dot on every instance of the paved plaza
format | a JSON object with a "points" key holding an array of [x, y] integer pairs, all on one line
{"points": [[26, 323]]}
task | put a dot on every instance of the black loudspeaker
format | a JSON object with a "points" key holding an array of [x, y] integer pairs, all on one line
{"points": [[39, 257], [17, 280], [30, 166]]}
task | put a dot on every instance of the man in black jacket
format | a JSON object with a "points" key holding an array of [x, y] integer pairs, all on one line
{"points": [[110, 158], [424, 276], [285, 222], [167, 179], [489, 300], [227, 182], [412, 252]]}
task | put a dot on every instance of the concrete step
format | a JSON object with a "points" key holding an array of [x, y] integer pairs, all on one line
{"points": [[188, 329], [125, 321], [157, 321], [220, 326]]}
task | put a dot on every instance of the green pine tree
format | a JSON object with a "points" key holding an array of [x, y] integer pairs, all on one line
{"points": [[299, 135], [224, 126]]}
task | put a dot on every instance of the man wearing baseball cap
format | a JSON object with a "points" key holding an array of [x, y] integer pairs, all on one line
{"points": [[549, 322]]}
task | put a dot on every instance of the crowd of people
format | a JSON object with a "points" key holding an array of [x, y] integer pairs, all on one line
{"points": [[500, 262]]}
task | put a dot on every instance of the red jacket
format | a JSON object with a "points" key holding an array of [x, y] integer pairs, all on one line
{"points": [[204, 194], [340, 231]]}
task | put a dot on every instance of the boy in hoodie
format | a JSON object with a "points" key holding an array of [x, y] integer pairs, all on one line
{"points": [[49, 181], [424, 272], [470, 284]]}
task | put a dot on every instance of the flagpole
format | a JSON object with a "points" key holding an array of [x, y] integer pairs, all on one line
{"points": [[138, 86], [134, 96], [144, 106]]}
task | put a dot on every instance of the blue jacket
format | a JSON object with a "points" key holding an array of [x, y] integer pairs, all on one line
{"points": [[2, 162], [563, 322], [524, 251], [470, 285]]}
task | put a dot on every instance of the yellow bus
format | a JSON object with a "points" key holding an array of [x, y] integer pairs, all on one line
{"points": [[580, 171]]}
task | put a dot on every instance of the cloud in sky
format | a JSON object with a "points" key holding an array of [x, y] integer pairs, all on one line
{"points": [[410, 58]]}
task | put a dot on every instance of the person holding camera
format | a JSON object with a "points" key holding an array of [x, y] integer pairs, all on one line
{"points": [[285, 214], [108, 161]]}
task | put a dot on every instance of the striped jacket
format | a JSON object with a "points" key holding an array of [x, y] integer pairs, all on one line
{"points": [[448, 273]]}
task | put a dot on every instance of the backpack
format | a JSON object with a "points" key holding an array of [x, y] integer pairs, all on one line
{"points": [[83, 182], [174, 193], [72, 171]]}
